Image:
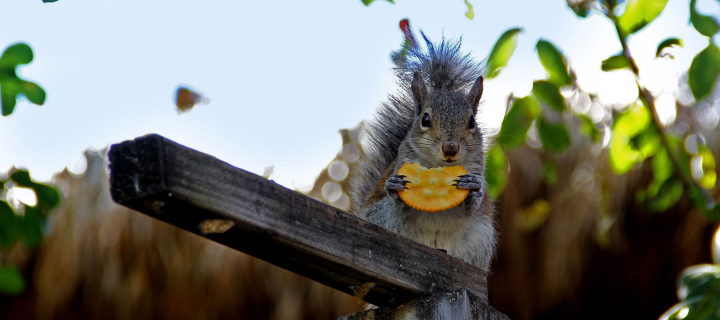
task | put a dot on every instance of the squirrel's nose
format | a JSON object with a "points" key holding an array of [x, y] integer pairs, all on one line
{"points": [[450, 148]]}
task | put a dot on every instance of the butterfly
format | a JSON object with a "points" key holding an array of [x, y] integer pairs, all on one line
{"points": [[186, 99]]}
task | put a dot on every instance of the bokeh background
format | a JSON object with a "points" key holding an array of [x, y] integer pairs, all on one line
{"points": [[281, 79]]}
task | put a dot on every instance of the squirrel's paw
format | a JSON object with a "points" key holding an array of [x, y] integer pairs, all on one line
{"points": [[472, 182], [395, 183]]}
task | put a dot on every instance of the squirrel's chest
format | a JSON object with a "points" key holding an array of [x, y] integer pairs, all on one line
{"points": [[442, 230]]}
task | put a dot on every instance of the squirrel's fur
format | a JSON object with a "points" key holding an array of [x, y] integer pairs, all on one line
{"points": [[435, 127]]}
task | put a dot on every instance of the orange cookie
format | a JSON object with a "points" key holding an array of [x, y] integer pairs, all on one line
{"points": [[431, 190]]}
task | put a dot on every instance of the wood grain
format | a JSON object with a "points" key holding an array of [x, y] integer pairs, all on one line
{"points": [[199, 193]]}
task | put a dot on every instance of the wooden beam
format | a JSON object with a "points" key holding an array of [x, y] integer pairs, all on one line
{"points": [[206, 196]]}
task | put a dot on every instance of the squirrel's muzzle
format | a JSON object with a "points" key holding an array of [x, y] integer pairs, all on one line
{"points": [[450, 148]]}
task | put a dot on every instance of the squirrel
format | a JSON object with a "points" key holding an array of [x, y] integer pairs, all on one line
{"points": [[434, 127]]}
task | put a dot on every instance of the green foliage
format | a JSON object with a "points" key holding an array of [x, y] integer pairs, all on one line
{"points": [[554, 63], [25, 227], [496, 171], [47, 196], [550, 172], [517, 122], [501, 52], [8, 226], [706, 25], [470, 14], [587, 127], [665, 189], [704, 71], [581, 8], [638, 14], [554, 137], [699, 294], [11, 85], [11, 280], [668, 43], [28, 225], [615, 62], [365, 2], [628, 125], [705, 67], [549, 94]]}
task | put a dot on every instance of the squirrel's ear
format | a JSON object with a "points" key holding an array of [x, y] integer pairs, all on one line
{"points": [[476, 93], [419, 91]]}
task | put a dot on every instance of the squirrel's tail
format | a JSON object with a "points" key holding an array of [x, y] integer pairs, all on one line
{"points": [[445, 68]]}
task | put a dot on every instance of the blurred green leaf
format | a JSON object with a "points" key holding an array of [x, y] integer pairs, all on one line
{"points": [[677, 147], [501, 52], [550, 172], [581, 8], [697, 281], [11, 85], [365, 2], [11, 280], [47, 196], [32, 92], [470, 14], [7, 98], [21, 178], [32, 223], [628, 124], [496, 171], [706, 25], [713, 213], [549, 94], [15, 55], [554, 137], [704, 71], [615, 62], [709, 177], [533, 216], [517, 122], [662, 170], [588, 128], [668, 43], [696, 196], [638, 14], [647, 141], [669, 193], [699, 292], [554, 63], [8, 226]]}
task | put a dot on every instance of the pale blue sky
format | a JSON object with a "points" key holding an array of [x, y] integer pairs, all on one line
{"points": [[282, 76]]}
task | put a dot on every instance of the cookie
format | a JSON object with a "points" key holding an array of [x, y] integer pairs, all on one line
{"points": [[432, 190]]}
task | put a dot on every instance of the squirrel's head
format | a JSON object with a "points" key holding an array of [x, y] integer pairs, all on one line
{"points": [[444, 131]]}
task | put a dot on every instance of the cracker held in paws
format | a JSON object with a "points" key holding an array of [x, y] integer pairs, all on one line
{"points": [[432, 190]]}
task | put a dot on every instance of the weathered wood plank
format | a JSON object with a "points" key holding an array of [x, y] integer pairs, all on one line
{"points": [[458, 305], [202, 194]]}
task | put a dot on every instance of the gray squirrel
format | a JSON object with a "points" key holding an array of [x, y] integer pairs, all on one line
{"points": [[435, 127]]}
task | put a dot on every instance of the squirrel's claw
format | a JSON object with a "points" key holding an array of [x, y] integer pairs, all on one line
{"points": [[395, 183], [472, 182]]}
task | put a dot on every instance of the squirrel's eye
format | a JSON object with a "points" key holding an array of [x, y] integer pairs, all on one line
{"points": [[471, 125], [425, 122]]}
